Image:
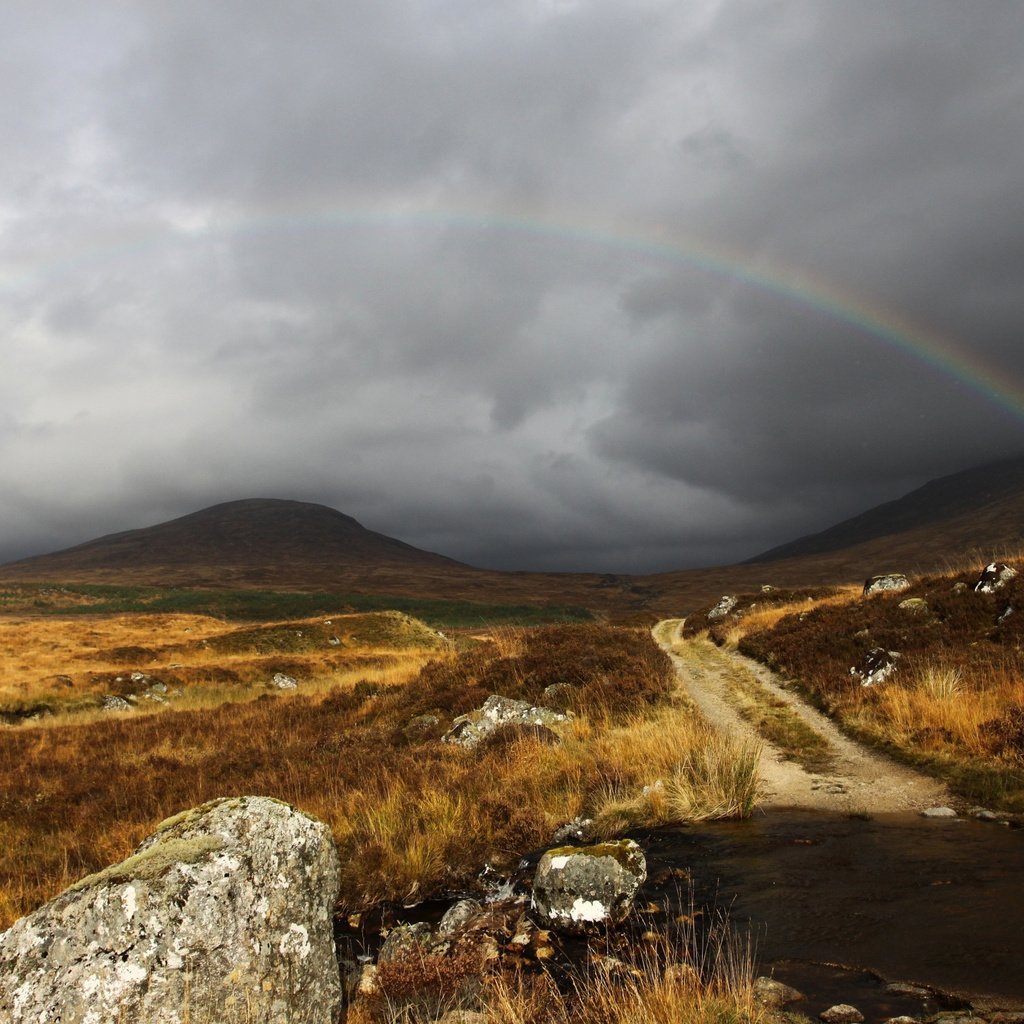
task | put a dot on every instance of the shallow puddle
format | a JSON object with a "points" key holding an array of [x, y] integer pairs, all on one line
{"points": [[937, 903]]}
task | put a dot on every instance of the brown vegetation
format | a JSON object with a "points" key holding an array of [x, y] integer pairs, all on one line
{"points": [[954, 702], [412, 816]]}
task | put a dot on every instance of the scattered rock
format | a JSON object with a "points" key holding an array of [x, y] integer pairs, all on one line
{"points": [[458, 918], [579, 830], [284, 682], [773, 994], [841, 1013], [580, 889], [404, 939], [224, 904], [938, 812], [994, 577], [111, 702], [878, 664], [983, 814], [724, 606], [902, 988], [497, 712], [887, 581], [915, 605]]}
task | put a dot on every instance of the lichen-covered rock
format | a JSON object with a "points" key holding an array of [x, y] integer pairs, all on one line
{"points": [[223, 914], [724, 606], [497, 713], [283, 681], [994, 577], [774, 994], [578, 889], [886, 581], [841, 1013], [878, 664], [915, 605], [405, 939]]}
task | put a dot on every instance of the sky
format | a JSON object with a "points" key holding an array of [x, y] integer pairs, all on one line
{"points": [[540, 284]]}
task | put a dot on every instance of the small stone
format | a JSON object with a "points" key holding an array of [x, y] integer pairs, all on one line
{"points": [[902, 988], [458, 917], [902, 1019], [938, 812], [682, 976], [284, 682], [774, 994], [984, 814], [841, 1013], [578, 830], [114, 703], [915, 605], [404, 939]]}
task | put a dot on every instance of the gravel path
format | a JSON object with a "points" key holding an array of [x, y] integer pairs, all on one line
{"points": [[860, 779]]}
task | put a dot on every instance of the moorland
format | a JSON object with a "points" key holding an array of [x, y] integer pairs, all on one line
{"points": [[245, 652]]}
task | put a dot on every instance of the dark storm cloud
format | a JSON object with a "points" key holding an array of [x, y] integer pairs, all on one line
{"points": [[451, 267]]}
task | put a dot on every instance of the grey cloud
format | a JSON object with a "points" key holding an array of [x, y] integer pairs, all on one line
{"points": [[536, 285]]}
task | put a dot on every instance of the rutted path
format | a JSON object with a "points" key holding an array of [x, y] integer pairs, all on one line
{"points": [[856, 780]]}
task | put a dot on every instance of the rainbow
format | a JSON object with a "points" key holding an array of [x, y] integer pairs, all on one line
{"points": [[950, 357]]}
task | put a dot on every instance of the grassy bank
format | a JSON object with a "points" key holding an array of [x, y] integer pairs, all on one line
{"points": [[954, 704]]}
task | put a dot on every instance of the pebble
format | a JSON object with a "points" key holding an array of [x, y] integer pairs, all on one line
{"points": [[841, 1013]]}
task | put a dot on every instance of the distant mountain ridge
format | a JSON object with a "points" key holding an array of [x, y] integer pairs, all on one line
{"points": [[937, 501], [250, 532]]}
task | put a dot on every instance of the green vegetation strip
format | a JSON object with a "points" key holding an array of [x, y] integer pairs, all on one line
{"points": [[268, 605], [774, 720]]}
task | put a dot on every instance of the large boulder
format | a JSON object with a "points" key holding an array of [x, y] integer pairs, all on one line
{"points": [[498, 713], [994, 577], [578, 889], [223, 914], [887, 581]]}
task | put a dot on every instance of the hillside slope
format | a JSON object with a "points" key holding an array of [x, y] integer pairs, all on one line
{"points": [[948, 498], [252, 532]]}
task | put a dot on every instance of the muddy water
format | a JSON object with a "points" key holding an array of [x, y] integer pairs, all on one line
{"points": [[938, 903]]}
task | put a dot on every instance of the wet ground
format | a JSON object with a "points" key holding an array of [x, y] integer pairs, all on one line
{"points": [[936, 902]]}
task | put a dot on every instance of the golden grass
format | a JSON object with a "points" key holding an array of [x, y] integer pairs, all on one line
{"points": [[941, 709], [766, 617], [412, 816], [56, 668]]}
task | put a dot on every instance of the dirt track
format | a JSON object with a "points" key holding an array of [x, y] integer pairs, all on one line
{"points": [[859, 779]]}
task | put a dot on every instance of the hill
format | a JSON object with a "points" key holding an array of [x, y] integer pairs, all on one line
{"points": [[253, 533], [974, 515], [997, 485]]}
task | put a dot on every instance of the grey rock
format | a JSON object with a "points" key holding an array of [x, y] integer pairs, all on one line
{"points": [[1006, 613], [458, 917], [877, 665], [915, 605], [938, 812], [582, 889], [774, 994], [223, 914], [558, 695], [903, 988], [111, 702], [497, 712], [886, 581], [404, 939], [841, 1013], [994, 577], [283, 681], [725, 605], [983, 814], [579, 830], [902, 1019]]}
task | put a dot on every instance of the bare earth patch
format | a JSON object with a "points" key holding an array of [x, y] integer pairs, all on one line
{"points": [[858, 780]]}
